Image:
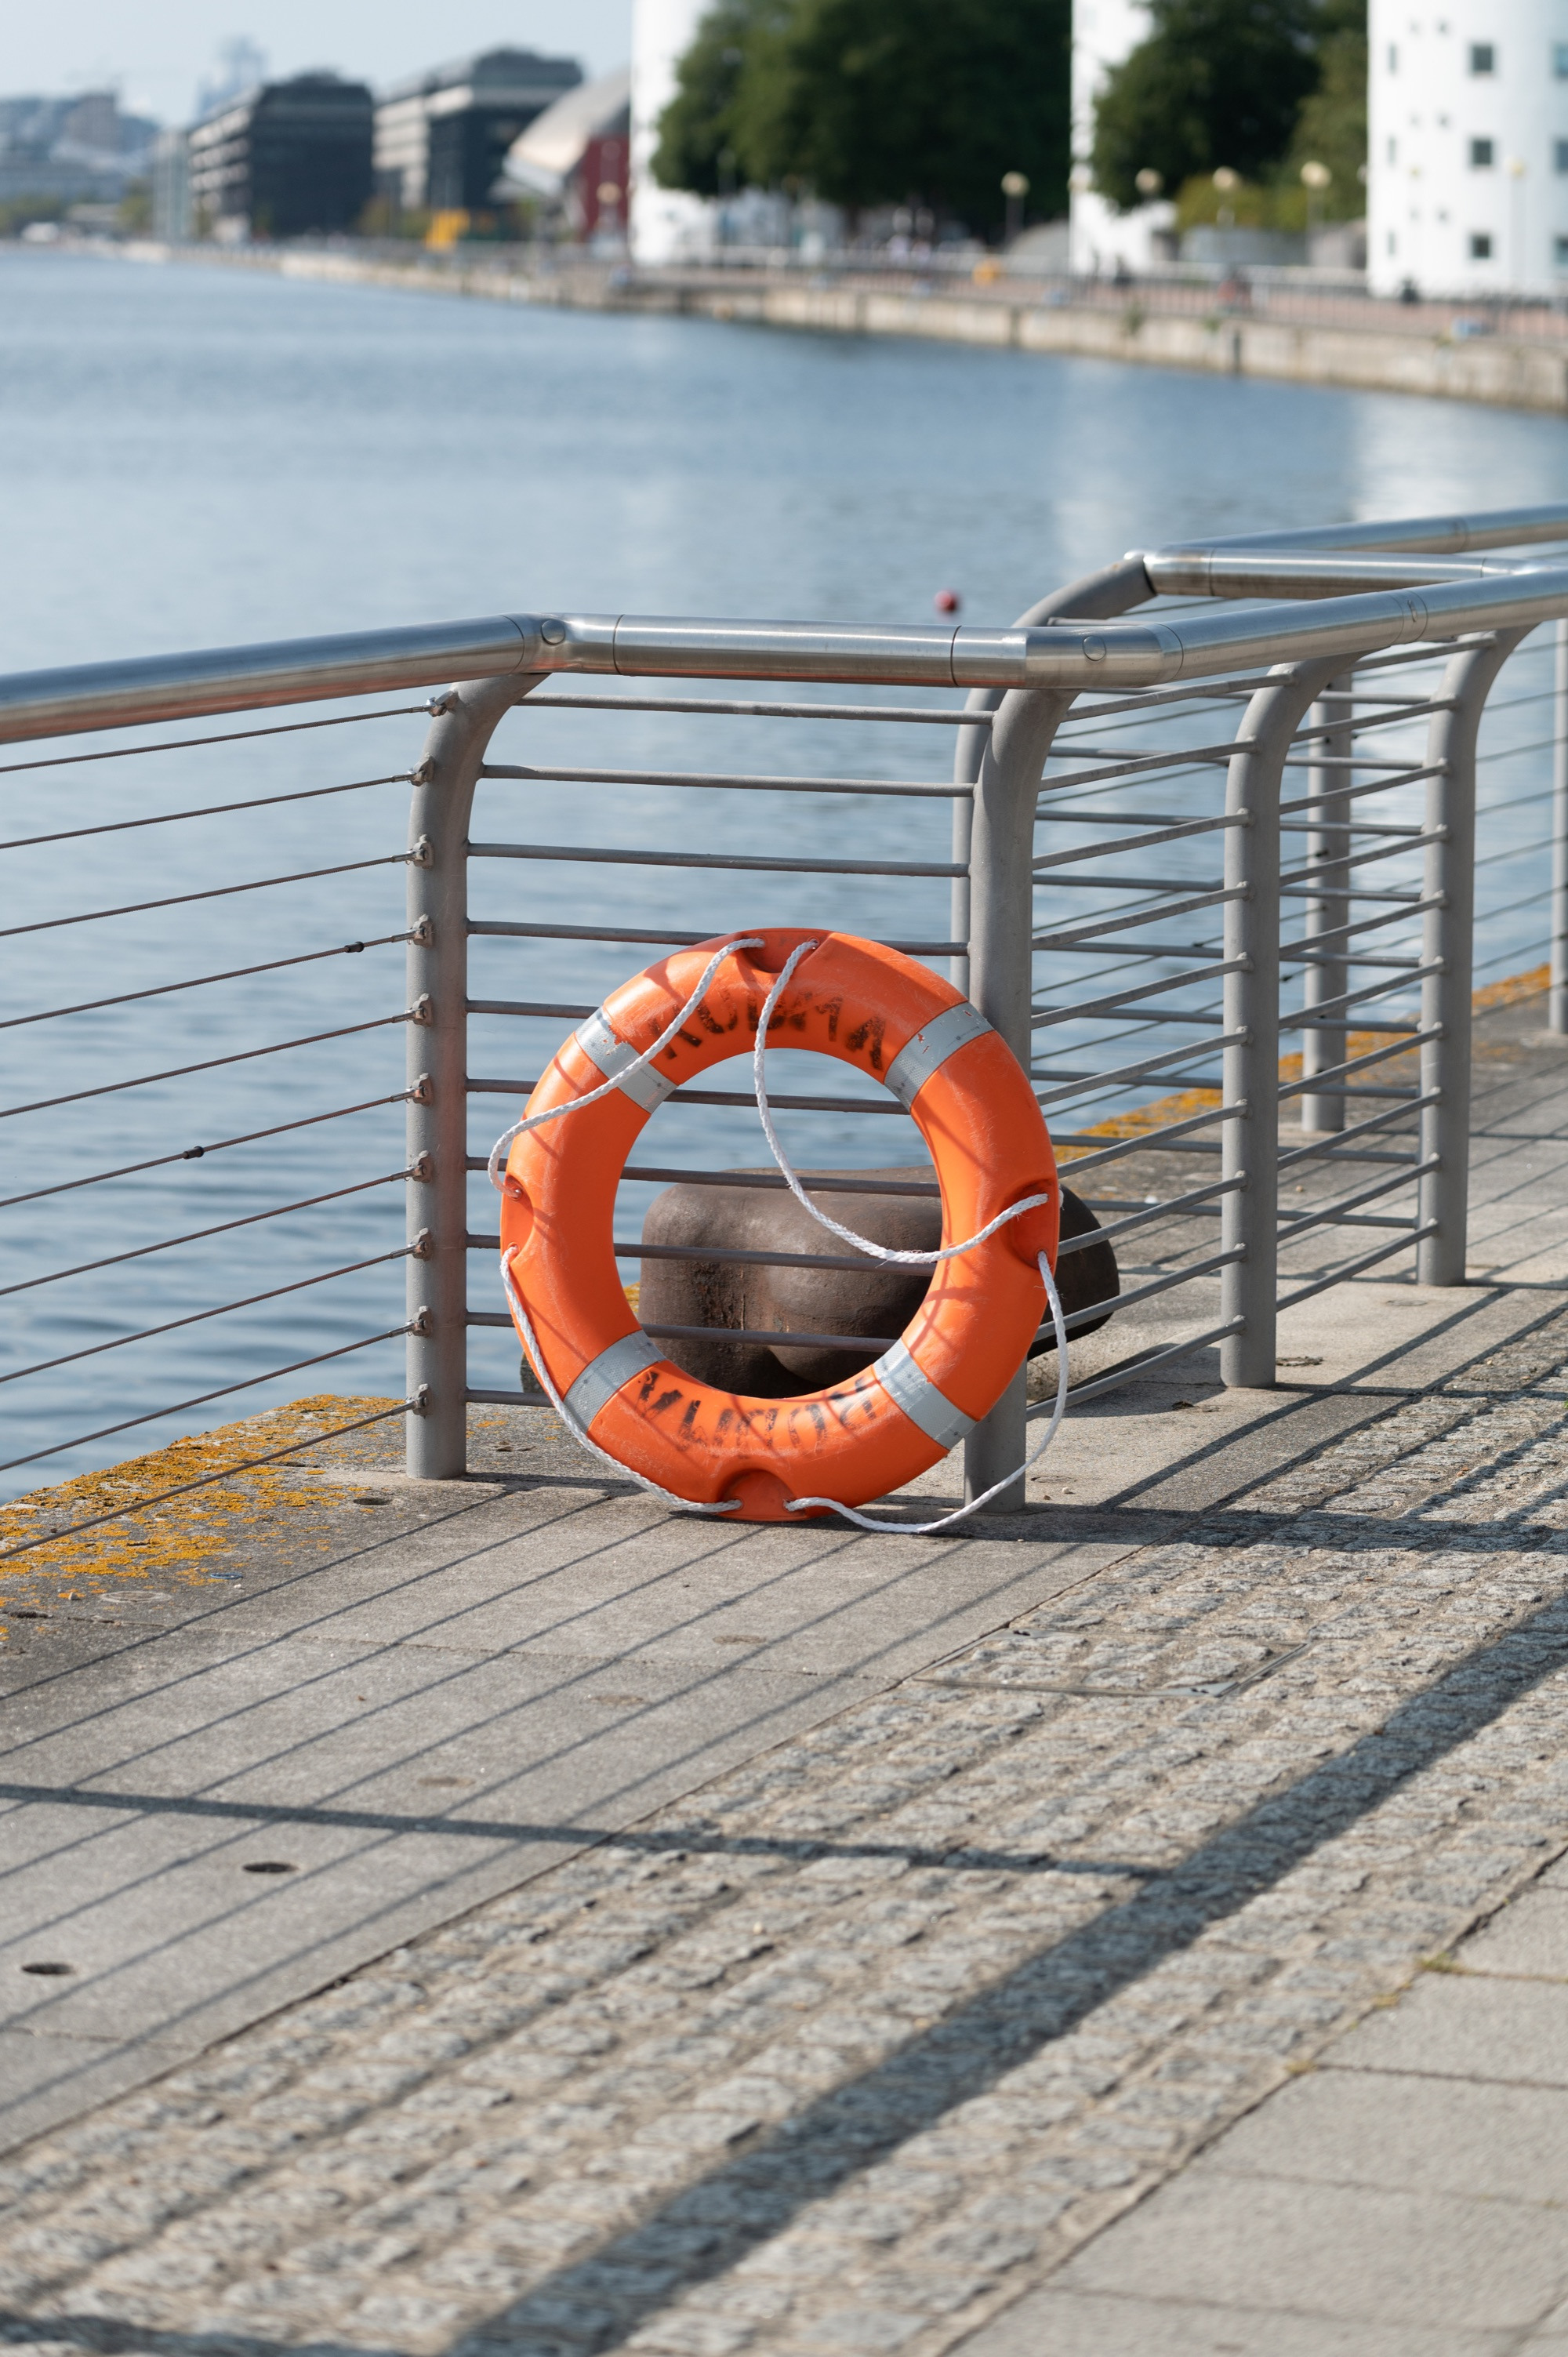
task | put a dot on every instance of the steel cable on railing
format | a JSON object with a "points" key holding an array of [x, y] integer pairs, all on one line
{"points": [[195, 1316], [200, 1235], [198, 1153], [225, 1391], [212, 1064], [201, 981], [205, 1481], [191, 744], [215, 892], [208, 810], [738, 784]]}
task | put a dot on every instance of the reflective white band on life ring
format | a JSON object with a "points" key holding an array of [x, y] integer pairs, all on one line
{"points": [[919, 1397], [915, 1061], [612, 1056], [603, 1377]]}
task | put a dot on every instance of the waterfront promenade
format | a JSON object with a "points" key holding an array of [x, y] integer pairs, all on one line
{"points": [[501, 1916], [1513, 357]]}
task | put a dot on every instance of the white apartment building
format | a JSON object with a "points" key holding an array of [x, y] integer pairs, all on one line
{"points": [[667, 224], [1103, 32], [1468, 147]]}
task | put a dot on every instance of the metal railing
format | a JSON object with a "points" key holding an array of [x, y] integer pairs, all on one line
{"points": [[1209, 803]]}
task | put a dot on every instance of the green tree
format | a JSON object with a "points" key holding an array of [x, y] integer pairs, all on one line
{"points": [[1331, 128], [1216, 83], [698, 130], [879, 101]]}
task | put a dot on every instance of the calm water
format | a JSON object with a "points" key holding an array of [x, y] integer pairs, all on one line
{"points": [[198, 458]]}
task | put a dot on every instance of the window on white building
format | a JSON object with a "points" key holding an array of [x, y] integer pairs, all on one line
{"points": [[1480, 245], [1560, 59], [1393, 58], [1482, 155], [1393, 151], [1483, 58], [1560, 251], [1560, 154]]}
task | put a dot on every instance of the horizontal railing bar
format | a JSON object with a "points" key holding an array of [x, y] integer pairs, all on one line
{"points": [[179, 1407], [1322, 888], [1139, 841], [1154, 699], [214, 892], [771, 1337], [1116, 1302], [725, 707], [495, 929], [1408, 965], [192, 744], [1122, 1074], [1328, 1021], [624, 1249], [1352, 825], [927, 1189], [527, 1007], [209, 809], [1334, 1144], [1327, 1009], [195, 1316], [201, 981], [1312, 946], [200, 1235], [212, 1064], [198, 1153], [1295, 1223], [1110, 655], [1145, 1361], [1151, 1214], [1071, 939], [1121, 998], [1364, 1220], [687, 1096], [1161, 884], [1351, 1090], [1328, 805], [1132, 765], [574, 853], [1315, 1081], [1351, 762], [1351, 1268], [740, 783], [205, 1481], [1156, 1141], [1342, 860], [1197, 1018]]}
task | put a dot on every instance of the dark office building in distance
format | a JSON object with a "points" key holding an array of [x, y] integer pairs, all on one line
{"points": [[442, 137], [285, 159]]}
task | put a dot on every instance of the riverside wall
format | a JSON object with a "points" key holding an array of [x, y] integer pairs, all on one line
{"points": [[1509, 370]]}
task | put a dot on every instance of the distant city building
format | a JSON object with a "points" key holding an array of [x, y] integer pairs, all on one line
{"points": [[78, 149], [442, 137], [173, 217], [667, 224], [240, 67], [577, 155], [285, 159], [1100, 239], [1467, 149]]}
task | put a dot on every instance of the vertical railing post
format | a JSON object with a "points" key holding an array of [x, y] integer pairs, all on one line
{"points": [[1557, 1014], [437, 1192], [1448, 888], [1327, 910], [1250, 1150], [1001, 980], [1097, 598]]}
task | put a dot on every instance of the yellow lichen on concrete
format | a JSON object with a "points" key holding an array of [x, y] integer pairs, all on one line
{"points": [[176, 1537]]}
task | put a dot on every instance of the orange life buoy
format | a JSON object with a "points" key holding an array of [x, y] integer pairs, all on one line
{"points": [[894, 1020]]}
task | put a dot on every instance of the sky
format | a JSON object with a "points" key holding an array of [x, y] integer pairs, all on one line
{"points": [[158, 51]]}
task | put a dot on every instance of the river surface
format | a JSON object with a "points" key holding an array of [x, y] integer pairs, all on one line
{"points": [[202, 456]]}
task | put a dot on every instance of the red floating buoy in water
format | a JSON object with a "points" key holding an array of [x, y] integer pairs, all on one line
{"points": [[946, 601]]}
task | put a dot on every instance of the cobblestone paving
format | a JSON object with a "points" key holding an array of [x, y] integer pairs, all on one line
{"points": [[854, 2052]]}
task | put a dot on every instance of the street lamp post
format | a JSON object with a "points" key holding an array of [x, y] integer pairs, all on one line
{"points": [[1014, 187]]}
